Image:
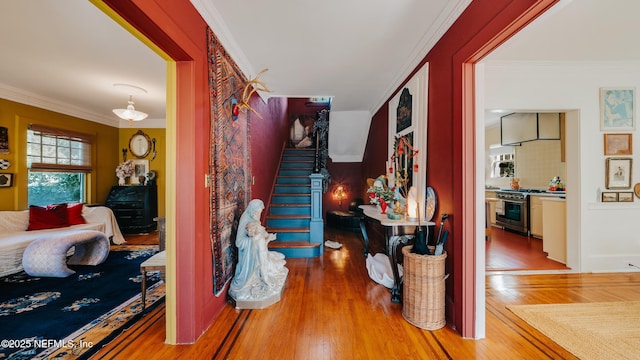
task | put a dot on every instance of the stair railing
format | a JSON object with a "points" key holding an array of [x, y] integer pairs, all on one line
{"points": [[320, 178], [321, 133]]}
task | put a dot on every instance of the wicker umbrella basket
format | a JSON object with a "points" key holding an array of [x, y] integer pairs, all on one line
{"points": [[423, 294]]}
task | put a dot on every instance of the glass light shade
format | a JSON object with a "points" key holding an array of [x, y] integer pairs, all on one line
{"points": [[340, 193], [130, 113]]}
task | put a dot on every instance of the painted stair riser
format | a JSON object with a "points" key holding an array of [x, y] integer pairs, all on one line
{"points": [[295, 157], [294, 172], [287, 189], [296, 165], [311, 152], [301, 180], [295, 168], [291, 236], [290, 210], [288, 223], [298, 253], [291, 200]]}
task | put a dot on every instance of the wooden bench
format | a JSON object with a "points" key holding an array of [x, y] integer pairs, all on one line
{"points": [[155, 263]]}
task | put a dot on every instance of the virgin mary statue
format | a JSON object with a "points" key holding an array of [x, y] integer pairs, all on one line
{"points": [[260, 274]]}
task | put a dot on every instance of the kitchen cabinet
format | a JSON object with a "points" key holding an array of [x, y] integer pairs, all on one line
{"points": [[535, 216], [554, 219], [492, 206]]}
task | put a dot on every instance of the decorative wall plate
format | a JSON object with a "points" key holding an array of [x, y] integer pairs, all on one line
{"points": [[636, 189], [430, 203], [4, 164]]}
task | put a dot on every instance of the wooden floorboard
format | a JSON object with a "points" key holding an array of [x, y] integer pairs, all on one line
{"points": [[330, 309]]}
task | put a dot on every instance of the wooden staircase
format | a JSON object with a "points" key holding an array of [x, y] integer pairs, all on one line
{"points": [[289, 214]]}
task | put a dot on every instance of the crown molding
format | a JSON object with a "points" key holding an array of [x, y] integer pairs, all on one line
{"points": [[39, 101], [447, 17], [212, 17]]}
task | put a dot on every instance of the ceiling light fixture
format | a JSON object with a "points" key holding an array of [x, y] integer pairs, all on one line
{"points": [[130, 113]]}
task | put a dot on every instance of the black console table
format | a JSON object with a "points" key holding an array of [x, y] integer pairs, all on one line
{"points": [[134, 207]]}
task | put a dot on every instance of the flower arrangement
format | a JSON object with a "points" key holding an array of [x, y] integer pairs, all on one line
{"points": [[124, 169], [379, 192]]}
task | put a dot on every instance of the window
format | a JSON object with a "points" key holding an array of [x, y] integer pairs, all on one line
{"points": [[58, 161], [502, 160]]}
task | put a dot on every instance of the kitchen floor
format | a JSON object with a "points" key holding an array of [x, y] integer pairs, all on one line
{"points": [[509, 251]]}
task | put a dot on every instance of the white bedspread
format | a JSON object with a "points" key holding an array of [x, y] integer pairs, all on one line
{"points": [[102, 214], [14, 238]]}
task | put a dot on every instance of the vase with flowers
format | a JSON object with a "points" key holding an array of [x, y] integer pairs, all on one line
{"points": [[123, 171], [379, 194]]}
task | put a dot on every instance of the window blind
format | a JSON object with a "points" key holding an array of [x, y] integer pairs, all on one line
{"points": [[51, 149]]}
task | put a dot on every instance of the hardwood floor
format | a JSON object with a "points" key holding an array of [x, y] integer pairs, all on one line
{"points": [[331, 309], [508, 251]]}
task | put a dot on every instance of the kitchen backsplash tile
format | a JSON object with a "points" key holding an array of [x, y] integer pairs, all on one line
{"points": [[536, 163]]}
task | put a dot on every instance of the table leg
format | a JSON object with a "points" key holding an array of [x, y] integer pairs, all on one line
{"points": [[392, 249], [363, 229], [144, 287]]}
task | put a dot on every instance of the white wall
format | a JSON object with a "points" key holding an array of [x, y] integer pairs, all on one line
{"points": [[602, 236], [348, 131]]}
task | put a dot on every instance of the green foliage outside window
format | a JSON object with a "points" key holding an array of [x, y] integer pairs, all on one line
{"points": [[47, 188]]}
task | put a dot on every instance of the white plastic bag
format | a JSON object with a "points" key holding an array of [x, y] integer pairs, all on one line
{"points": [[379, 269]]}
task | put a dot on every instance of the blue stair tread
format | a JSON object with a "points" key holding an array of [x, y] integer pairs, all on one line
{"points": [[292, 244], [290, 205], [288, 217], [288, 230]]}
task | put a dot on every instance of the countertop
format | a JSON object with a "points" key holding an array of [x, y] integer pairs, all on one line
{"points": [[373, 212], [546, 193]]}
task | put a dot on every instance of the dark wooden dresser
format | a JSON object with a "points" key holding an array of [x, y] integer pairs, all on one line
{"points": [[134, 207]]}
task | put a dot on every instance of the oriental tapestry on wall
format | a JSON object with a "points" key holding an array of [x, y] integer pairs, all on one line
{"points": [[229, 160]]}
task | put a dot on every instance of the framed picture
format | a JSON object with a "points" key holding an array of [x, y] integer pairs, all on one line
{"points": [[6, 180], [609, 196], [617, 144], [618, 173], [625, 196], [140, 168], [617, 108], [4, 140]]}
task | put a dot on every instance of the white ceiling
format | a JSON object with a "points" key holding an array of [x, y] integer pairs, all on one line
{"points": [[65, 55], [355, 51], [573, 31]]}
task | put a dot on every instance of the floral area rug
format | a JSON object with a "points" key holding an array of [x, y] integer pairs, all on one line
{"points": [[230, 159], [72, 317]]}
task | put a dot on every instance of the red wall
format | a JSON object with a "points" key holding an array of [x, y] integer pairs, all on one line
{"points": [[375, 156], [268, 136], [347, 174], [450, 165], [179, 30]]}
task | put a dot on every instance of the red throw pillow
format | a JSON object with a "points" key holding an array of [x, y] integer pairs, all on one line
{"points": [[74, 214], [51, 217]]}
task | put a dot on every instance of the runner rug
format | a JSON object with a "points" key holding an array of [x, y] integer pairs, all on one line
{"points": [[602, 330], [72, 317]]}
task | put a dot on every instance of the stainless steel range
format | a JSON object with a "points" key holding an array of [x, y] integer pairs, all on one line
{"points": [[515, 209]]}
